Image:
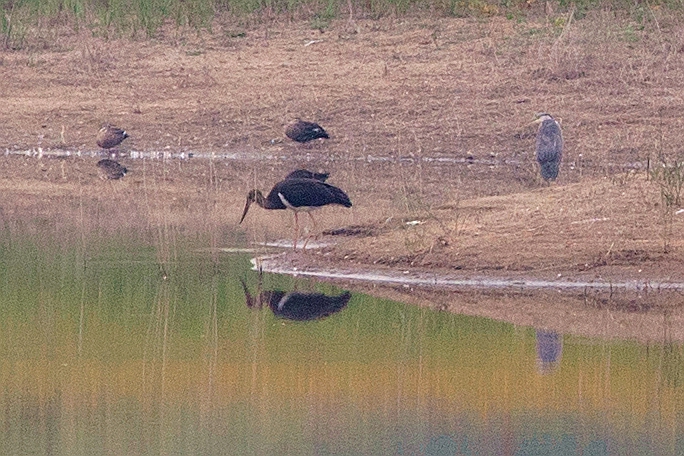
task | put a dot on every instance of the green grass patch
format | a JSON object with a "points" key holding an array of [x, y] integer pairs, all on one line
{"points": [[145, 17]]}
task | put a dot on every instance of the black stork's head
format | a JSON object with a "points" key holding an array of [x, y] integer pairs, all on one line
{"points": [[254, 196], [303, 131]]}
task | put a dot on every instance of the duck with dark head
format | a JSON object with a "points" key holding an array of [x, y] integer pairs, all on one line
{"points": [[303, 131], [110, 136]]}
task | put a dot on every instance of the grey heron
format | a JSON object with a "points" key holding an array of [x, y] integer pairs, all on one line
{"points": [[549, 145]]}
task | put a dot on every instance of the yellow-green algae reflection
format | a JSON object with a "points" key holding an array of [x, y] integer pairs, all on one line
{"points": [[104, 351]]}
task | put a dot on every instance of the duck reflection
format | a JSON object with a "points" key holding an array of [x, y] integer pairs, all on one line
{"points": [[296, 305], [549, 350]]}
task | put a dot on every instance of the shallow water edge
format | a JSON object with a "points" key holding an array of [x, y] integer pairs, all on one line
{"points": [[645, 311], [275, 264]]}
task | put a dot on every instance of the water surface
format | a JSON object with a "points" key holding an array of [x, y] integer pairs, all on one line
{"points": [[120, 343]]}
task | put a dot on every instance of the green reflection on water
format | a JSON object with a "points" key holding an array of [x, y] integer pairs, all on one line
{"points": [[105, 348]]}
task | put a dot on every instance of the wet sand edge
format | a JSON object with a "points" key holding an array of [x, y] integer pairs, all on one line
{"points": [[649, 312]]}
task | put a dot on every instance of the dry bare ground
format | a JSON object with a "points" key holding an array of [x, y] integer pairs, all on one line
{"points": [[429, 123]]}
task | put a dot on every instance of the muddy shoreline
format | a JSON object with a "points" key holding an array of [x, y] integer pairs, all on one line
{"points": [[649, 312], [430, 137]]}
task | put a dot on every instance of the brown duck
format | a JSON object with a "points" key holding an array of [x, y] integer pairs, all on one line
{"points": [[110, 169], [303, 131], [110, 136]]}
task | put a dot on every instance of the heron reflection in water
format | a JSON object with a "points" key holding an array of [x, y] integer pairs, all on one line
{"points": [[549, 350], [296, 305]]}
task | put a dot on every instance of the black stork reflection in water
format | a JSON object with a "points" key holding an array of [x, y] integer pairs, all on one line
{"points": [[306, 174], [295, 305], [303, 131], [298, 195]]}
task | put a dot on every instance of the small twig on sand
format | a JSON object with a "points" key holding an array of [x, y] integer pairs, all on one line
{"points": [[610, 249]]}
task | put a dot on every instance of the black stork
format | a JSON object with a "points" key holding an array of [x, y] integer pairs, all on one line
{"points": [[110, 136], [110, 169], [298, 195], [303, 131], [306, 174]]}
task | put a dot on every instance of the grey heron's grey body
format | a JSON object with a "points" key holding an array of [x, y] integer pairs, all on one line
{"points": [[549, 146]]}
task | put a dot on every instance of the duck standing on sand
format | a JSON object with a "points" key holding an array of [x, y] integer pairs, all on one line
{"points": [[110, 136], [303, 131]]}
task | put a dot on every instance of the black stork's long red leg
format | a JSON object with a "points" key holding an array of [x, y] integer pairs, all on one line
{"points": [[313, 220], [294, 243]]}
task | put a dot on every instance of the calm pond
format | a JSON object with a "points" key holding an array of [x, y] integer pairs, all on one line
{"points": [[118, 345]]}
